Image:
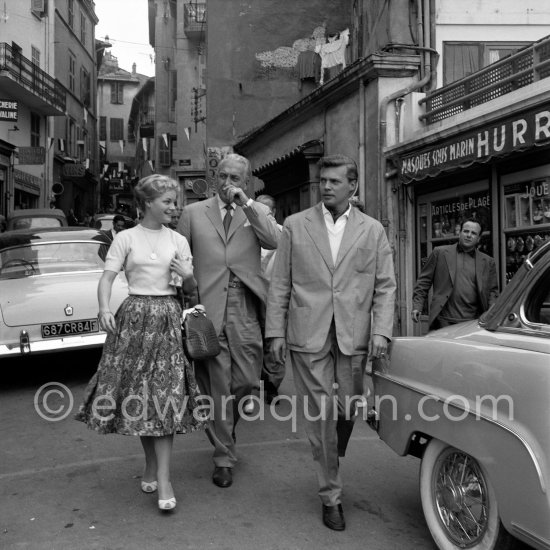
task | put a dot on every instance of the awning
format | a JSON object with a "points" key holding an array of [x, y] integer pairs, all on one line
{"points": [[314, 147], [523, 131]]}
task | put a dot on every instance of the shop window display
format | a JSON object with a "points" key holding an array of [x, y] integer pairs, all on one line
{"points": [[526, 220], [440, 215]]}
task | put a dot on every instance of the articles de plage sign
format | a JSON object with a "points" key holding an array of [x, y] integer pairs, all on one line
{"points": [[510, 134]]}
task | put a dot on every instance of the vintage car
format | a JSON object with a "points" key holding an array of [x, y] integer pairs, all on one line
{"points": [[48, 290], [473, 402], [34, 218]]}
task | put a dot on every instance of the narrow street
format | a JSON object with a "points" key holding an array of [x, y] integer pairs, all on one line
{"points": [[65, 487]]}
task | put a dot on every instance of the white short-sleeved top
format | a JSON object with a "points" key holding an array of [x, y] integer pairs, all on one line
{"points": [[134, 249]]}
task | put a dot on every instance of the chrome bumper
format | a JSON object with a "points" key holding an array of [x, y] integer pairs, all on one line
{"points": [[55, 344]]}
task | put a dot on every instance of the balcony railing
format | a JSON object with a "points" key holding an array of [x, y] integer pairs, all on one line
{"points": [[502, 77], [194, 19], [31, 77]]}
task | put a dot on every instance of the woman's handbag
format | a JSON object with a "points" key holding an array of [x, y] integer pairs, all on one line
{"points": [[200, 340]]}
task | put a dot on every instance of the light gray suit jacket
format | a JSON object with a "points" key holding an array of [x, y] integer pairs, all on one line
{"points": [[308, 290], [215, 255]]}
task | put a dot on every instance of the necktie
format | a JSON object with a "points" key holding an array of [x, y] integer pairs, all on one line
{"points": [[227, 218]]}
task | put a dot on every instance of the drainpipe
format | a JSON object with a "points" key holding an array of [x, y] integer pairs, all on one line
{"points": [[362, 151], [383, 192]]}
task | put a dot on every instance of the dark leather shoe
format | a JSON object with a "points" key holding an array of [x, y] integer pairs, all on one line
{"points": [[333, 517], [222, 476]]}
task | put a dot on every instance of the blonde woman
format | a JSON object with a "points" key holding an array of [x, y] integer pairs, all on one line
{"points": [[144, 385]]}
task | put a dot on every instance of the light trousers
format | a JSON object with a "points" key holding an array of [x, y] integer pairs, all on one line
{"points": [[329, 384]]}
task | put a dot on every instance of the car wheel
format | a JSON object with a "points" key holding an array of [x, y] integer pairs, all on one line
{"points": [[459, 502]]}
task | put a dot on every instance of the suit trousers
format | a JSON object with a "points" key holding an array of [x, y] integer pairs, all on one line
{"points": [[330, 383], [232, 374]]}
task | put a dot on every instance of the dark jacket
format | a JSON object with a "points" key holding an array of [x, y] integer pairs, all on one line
{"points": [[439, 272]]}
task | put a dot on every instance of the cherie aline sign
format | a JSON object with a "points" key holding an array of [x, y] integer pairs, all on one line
{"points": [[511, 134], [8, 110]]}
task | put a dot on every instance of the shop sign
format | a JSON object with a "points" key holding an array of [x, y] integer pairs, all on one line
{"points": [[213, 158], [32, 155], [116, 184], [8, 110], [505, 136], [74, 170], [27, 182]]}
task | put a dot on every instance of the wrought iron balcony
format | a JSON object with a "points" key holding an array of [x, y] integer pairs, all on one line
{"points": [[526, 66], [29, 84], [194, 19]]}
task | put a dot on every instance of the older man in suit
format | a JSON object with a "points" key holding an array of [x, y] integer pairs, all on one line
{"points": [[464, 280], [332, 296], [226, 234]]}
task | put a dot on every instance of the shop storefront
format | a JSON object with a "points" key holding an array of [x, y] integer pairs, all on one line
{"points": [[26, 189], [498, 174]]}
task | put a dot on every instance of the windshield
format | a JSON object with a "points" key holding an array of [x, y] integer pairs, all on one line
{"points": [[35, 222], [46, 258]]}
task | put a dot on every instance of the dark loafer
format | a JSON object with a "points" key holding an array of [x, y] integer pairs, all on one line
{"points": [[222, 476], [333, 517]]}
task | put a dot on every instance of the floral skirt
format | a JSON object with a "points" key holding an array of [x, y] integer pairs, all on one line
{"points": [[144, 384]]}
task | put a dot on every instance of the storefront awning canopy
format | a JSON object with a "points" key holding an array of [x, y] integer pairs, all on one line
{"points": [[313, 147], [517, 133]]}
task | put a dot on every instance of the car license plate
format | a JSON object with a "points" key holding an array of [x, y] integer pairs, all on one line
{"points": [[69, 328]]}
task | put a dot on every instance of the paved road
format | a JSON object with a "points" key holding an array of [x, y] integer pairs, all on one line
{"points": [[65, 487]]}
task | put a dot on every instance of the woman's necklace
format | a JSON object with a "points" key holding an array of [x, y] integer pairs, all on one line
{"points": [[153, 254]]}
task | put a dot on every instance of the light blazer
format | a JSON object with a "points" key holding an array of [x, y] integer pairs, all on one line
{"points": [[215, 255], [308, 290], [439, 272]]}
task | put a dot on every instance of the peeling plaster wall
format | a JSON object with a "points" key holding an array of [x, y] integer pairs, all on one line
{"points": [[252, 51]]}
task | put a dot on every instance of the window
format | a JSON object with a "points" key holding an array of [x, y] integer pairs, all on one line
{"points": [[85, 86], [461, 59], [35, 130], [72, 71], [165, 151], [117, 129], [116, 93], [83, 28], [71, 13], [537, 306], [173, 94], [102, 128], [71, 138], [36, 76], [38, 7]]}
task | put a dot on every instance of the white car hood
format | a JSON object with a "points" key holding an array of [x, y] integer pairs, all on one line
{"points": [[48, 298]]}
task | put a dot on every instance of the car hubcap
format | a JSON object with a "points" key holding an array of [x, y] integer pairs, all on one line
{"points": [[460, 497]]}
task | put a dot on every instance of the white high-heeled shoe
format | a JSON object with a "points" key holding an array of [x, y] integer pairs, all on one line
{"points": [[149, 486], [167, 504]]}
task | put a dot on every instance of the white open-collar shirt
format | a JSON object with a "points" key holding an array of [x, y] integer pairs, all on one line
{"points": [[335, 230]]}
